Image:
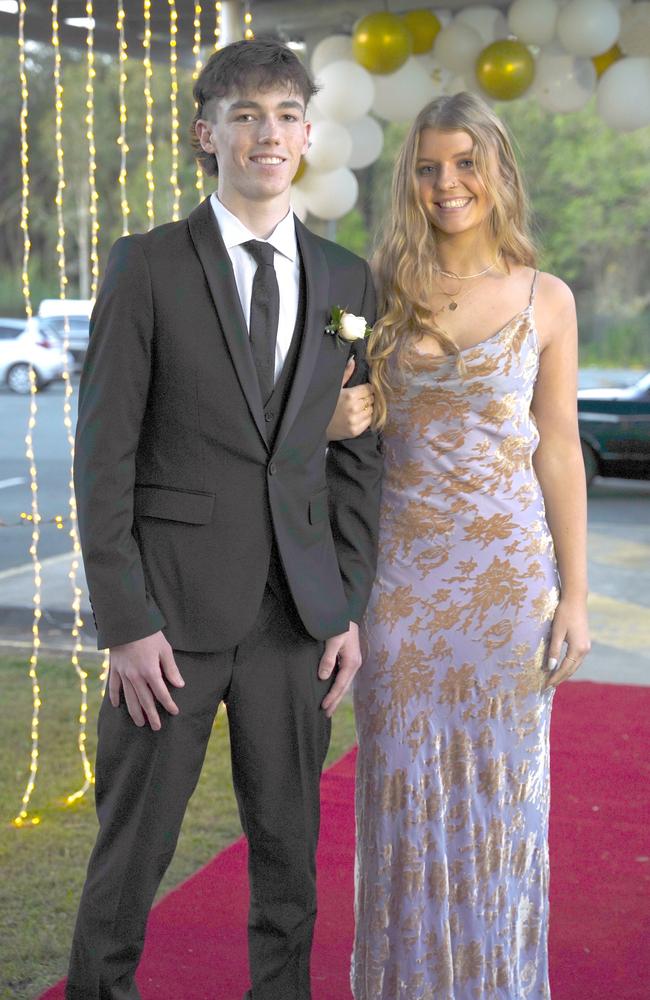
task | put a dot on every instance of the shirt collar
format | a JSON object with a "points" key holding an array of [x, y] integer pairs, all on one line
{"points": [[234, 232]]}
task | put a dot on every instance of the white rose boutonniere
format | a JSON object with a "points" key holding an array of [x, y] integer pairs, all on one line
{"points": [[347, 327]]}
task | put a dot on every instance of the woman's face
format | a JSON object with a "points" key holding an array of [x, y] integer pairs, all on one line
{"points": [[451, 190]]}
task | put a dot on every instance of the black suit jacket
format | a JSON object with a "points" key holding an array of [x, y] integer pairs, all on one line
{"points": [[179, 495]]}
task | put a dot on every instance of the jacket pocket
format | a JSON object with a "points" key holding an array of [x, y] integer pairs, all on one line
{"points": [[173, 505], [318, 507]]}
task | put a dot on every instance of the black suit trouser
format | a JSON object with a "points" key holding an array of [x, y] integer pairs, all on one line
{"points": [[279, 738]]}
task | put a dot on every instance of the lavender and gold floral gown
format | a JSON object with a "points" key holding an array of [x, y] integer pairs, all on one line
{"points": [[452, 717]]}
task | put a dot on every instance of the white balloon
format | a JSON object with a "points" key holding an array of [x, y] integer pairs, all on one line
{"points": [[488, 21], [347, 91], [400, 95], [634, 36], [330, 49], [299, 202], [563, 82], [533, 21], [588, 27], [468, 82], [367, 142], [623, 95], [438, 75], [457, 46], [445, 16], [331, 145], [330, 195]]}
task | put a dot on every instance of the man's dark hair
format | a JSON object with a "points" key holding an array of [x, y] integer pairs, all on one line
{"points": [[260, 64]]}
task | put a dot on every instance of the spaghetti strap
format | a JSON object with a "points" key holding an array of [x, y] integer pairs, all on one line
{"points": [[533, 288]]}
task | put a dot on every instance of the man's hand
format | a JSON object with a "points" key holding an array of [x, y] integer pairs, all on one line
{"points": [[345, 650], [140, 668], [353, 412]]}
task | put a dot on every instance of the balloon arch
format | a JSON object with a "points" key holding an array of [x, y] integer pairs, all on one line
{"points": [[560, 54]]}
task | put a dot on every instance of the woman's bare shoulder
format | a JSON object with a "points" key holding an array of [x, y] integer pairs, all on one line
{"points": [[553, 292], [555, 309]]}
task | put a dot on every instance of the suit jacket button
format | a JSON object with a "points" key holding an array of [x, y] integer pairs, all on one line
{"points": [[272, 469], [268, 417]]}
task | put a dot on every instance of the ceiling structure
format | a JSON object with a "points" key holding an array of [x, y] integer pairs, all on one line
{"points": [[292, 20]]}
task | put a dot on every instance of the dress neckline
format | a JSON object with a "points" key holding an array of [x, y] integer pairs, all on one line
{"points": [[479, 343]]}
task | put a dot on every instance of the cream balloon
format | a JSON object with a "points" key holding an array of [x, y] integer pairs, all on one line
{"points": [[623, 95], [299, 202], [438, 75], [347, 91], [488, 21], [330, 195], [634, 36], [588, 27], [533, 21], [367, 142], [563, 82], [331, 49], [331, 145], [400, 95], [457, 46]]}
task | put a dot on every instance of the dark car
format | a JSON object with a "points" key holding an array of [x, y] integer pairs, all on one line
{"points": [[615, 430]]}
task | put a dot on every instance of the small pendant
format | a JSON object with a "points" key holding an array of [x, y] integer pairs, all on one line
{"points": [[452, 306]]}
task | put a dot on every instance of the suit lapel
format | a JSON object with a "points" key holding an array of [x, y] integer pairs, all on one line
{"points": [[317, 292], [216, 264]]}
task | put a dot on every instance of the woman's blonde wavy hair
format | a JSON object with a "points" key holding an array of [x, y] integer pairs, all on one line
{"points": [[406, 258]]}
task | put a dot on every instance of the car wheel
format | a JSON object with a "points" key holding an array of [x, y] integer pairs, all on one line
{"points": [[18, 378], [590, 459]]}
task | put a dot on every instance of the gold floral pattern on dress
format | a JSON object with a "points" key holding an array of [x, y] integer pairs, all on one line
{"points": [[452, 710]]}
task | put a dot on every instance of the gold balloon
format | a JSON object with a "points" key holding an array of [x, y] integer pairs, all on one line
{"points": [[381, 43], [302, 166], [505, 69], [605, 59], [424, 26]]}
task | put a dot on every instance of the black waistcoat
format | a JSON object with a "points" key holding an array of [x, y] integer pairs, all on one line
{"points": [[275, 404]]}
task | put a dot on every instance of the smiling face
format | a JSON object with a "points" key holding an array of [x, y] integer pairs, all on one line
{"points": [[452, 193], [258, 139]]}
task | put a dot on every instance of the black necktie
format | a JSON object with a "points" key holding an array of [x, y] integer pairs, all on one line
{"points": [[265, 314]]}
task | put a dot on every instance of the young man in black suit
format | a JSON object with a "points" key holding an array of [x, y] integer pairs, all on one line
{"points": [[229, 554]]}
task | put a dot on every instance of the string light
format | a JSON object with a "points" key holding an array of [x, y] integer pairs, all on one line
{"points": [[173, 100], [26, 518], [92, 151], [196, 52], [24, 159], [23, 817], [217, 25], [148, 97], [122, 143], [196, 48], [67, 405], [248, 21]]}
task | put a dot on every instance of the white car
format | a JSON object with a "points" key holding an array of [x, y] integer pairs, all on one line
{"points": [[25, 343]]}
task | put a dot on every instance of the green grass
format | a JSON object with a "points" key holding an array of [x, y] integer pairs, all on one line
{"points": [[43, 866]]}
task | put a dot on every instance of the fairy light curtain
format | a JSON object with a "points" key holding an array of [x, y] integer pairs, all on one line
{"points": [[27, 815]]}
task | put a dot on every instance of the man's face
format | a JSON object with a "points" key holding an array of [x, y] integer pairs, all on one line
{"points": [[258, 139]]}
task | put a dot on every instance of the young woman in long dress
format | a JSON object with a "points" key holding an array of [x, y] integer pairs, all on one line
{"points": [[479, 605]]}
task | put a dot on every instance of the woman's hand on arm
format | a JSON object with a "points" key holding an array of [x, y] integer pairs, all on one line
{"points": [[353, 412], [560, 470]]}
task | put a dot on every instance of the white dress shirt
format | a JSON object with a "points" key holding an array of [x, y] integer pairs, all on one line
{"points": [[287, 269]]}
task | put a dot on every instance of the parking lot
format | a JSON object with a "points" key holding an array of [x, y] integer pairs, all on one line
{"points": [[619, 547]]}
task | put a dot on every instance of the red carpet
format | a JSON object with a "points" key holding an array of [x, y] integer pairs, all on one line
{"points": [[600, 873]]}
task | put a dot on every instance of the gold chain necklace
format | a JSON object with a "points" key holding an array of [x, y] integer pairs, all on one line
{"points": [[452, 305]]}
